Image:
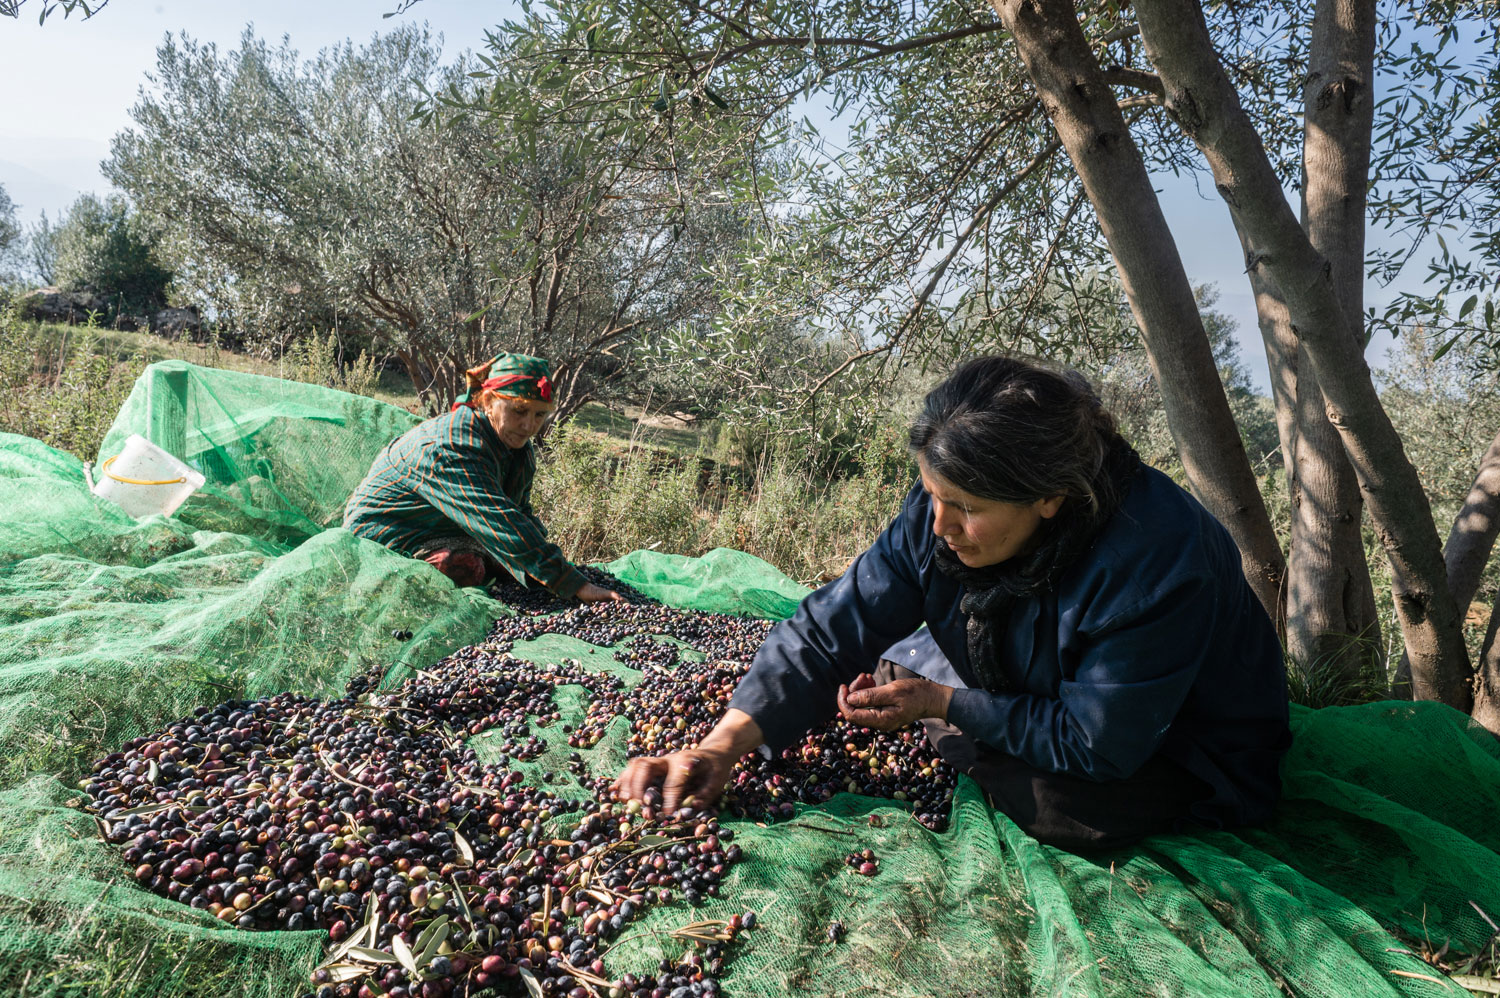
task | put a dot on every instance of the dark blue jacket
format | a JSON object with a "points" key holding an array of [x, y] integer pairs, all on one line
{"points": [[1152, 642]]}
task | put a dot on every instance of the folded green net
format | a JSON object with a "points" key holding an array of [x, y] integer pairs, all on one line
{"points": [[111, 627]]}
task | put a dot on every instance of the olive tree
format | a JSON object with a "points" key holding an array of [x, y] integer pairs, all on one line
{"points": [[995, 145], [39, 249], [101, 245], [331, 192], [46, 8]]}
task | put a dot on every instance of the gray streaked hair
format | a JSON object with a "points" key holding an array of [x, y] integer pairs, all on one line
{"points": [[1005, 429]]}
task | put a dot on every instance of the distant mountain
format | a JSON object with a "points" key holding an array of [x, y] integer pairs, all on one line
{"points": [[49, 174]]}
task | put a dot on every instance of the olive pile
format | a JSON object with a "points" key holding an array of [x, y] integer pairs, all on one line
{"points": [[677, 703], [534, 599], [434, 875], [674, 710], [718, 636]]}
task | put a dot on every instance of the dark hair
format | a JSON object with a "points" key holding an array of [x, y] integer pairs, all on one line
{"points": [[1005, 429]]}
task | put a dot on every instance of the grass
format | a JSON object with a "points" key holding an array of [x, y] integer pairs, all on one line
{"points": [[610, 481], [601, 499], [138, 349]]}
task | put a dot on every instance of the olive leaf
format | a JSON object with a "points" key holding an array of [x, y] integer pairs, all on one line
{"points": [[425, 936], [464, 849], [463, 902], [403, 953], [437, 934], [149, 809], [370, 955], [532, 987], [342, 972], [355, 940]]}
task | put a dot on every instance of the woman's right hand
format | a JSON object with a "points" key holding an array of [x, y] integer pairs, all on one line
{"points": [[591, 593], [697, 773]]}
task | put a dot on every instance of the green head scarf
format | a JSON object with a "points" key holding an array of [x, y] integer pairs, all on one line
{"points": [[514, 374]]}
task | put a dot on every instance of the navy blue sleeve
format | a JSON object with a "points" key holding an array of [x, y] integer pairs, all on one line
{"points": [[838, 632], [1111, 717]]}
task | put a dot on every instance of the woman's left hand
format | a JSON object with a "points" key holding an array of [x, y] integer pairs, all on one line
{"points": [[894, 705]]}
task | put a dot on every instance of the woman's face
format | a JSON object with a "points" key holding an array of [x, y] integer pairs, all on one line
{"points": [[982, 532], [517, 420]]}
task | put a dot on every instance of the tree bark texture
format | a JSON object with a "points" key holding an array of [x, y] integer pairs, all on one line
{"points": [[1205, 105], [1487, 694], [1329, 601], [1332, 622], [1474, 529], [1084, 111], [1470, 542]]}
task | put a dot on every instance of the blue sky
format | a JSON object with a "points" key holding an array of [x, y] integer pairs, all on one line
{"points": [[69, 85]]}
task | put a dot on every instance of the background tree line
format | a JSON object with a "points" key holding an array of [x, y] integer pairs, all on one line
{"points": [[99, 245], [296, 194]]}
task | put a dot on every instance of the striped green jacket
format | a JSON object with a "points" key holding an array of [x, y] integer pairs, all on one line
{"points": [[452, 475]]}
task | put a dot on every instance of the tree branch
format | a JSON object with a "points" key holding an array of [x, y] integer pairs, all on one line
{"points": [[1135, 79]]}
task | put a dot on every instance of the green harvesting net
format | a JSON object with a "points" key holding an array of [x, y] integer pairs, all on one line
{"points": [[111, 628]]}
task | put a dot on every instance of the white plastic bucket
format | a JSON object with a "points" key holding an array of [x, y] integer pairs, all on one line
{"points": [[144, 479]]}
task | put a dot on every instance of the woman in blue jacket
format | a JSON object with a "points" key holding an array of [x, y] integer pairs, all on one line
{"points": [[1112, 673]]}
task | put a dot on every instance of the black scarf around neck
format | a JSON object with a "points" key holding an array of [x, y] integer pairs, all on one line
{"points": [[991, 591]]}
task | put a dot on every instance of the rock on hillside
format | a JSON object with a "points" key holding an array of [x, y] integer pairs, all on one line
{"points": [[176, 321], [55, 305]]}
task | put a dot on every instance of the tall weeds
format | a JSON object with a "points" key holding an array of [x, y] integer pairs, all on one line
{"points": [[58, 386], [601, 503]]}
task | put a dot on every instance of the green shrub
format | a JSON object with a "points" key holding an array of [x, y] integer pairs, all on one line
{"points": [[317, 361], [57, 386]]}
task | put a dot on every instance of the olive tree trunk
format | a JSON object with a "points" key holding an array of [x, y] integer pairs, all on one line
{"points": [[1331, 620], [1332, 625], [1487, 694], [1472, 536], [1470, 541], [1201, 99], [1084, 111]]}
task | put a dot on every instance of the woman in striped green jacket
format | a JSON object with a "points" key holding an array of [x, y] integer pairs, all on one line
{"points": [[455, 490]]}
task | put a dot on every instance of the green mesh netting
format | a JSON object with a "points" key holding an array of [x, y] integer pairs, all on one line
{"points": [[111, 627]]}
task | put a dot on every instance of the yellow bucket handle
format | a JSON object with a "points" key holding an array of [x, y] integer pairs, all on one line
{"points": [[136, 481]]}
